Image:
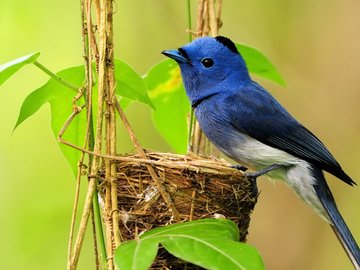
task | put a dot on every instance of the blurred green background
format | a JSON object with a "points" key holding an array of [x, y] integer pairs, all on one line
{"points": [[314, 44]]}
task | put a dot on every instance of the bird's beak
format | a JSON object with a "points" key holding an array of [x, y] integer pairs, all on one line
{"points": [[176, 55]]}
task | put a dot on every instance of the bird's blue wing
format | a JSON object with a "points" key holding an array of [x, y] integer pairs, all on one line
{"points": [[253, 111]]}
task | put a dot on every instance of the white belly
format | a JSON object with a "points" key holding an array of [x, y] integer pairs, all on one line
{"points": [[296, 172], [259, 155]]}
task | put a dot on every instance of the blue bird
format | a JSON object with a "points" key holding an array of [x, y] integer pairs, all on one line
{"points": [[248, 125]]}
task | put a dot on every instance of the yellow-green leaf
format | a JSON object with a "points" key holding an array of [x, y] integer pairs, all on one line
{"points": [[60, 99], [9, 68], [258, 64], [129, 83], [168, 95]]}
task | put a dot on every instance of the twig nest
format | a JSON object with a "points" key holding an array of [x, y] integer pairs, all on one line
{"points": [[199, 188]]}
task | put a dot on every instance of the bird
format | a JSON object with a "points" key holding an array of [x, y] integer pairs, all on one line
{"points": [[245, 122]]}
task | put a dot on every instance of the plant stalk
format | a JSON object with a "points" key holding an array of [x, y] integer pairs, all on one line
{"points": [[56, 77]]}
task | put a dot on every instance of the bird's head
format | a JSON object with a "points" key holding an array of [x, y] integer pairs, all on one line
{"points": [[209, 65]]}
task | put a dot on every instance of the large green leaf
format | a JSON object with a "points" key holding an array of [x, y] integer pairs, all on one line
{"points": [[210, 243], [9, 68], [129, 84], [168, 95], [259, 65], [60, 99]]}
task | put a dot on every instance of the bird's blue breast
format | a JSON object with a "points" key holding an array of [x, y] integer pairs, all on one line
{"points": [[216, 125]]}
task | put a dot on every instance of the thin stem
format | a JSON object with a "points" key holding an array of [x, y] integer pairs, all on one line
{"points": [[191, 120], [98, 224], [56, 77], [91, 50], [84, 219], [106, 80], [189, 19], [80, 162], [192, 144], [191, 128], [200, 18], [97, 264], [212, 19], [77, 190]]}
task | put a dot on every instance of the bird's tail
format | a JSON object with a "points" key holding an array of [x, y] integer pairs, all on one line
{"points": [[338, 224]]}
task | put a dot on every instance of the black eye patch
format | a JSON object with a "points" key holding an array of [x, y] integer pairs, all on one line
{"points": [[183, 53]]}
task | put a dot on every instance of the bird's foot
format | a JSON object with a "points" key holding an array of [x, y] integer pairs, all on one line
{"points": [[239, 167], [254, 175]]}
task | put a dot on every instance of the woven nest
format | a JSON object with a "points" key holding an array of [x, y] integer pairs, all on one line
{"points": [[199, 188]]}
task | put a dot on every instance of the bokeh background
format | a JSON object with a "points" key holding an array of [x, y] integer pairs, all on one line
{"points": [[314, 44]]}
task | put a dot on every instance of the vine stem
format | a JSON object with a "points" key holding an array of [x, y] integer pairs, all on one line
{"points": [[78, 178], [56, 77], [94, 48], [103, 14], [114, 214], [188, 7], [111, 202], [192, 116]]}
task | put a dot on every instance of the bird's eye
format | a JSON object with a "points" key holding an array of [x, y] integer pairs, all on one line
{"points": [[207, 62]]}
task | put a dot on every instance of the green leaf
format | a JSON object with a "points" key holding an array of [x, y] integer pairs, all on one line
{"points": [[9, 68], [259, 65], [124, 102], [214, 253], [129, 84], [210, 243], [218, 228], [60, 99], [168, 95], [136, 255]]}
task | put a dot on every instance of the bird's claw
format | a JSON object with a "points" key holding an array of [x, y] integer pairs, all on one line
{"points": [[263, 171], [239, 167], [252, 176]]}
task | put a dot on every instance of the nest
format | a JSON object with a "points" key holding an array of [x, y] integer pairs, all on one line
{"points": [[199, 188]]}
